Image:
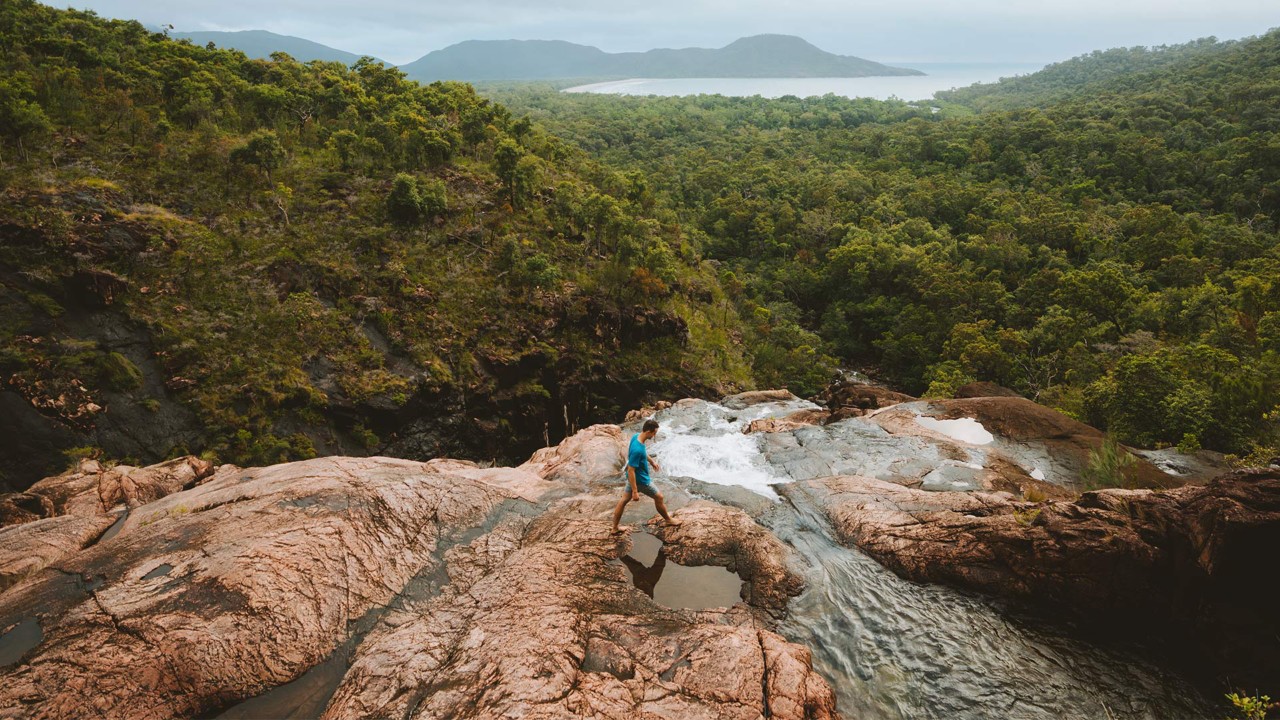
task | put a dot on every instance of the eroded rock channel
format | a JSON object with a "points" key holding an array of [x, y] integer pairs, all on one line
{"points": [[806, 581]]}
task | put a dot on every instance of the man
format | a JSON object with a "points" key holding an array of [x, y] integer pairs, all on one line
{"points": [[638, 481]]}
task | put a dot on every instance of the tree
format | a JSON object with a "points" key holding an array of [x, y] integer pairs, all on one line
{"points": [[344, 143], [506, 159], [20, 116], [263, 150], [412, 201]]}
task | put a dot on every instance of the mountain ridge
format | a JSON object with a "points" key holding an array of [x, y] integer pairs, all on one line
{"points": [[767, 55], [261, 44]]}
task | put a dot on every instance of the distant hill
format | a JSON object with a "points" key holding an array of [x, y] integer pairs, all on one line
{"points": [[1115, 71], [260, 44], [758, 56]]}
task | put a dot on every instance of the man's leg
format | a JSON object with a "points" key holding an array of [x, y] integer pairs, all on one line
{"points": [[662, 509], [621, 507]]}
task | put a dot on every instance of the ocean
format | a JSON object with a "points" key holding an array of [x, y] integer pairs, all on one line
{"points": [[941, 76]]}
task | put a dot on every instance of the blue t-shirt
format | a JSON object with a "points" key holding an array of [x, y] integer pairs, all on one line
{"points": [[638, 458]]}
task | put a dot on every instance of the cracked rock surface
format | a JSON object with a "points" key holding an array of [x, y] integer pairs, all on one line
{"points": [[375, 588], [236, 585], [539, 620], [486, 592]]}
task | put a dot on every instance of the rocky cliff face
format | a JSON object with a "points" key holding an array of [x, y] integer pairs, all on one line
{"points": [[372, 587]]}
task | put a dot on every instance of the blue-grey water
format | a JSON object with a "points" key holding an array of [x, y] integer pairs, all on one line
{"points": [[941, 76]]}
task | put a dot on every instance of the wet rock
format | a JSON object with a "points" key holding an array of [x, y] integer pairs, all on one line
{"points": [[1179, 564], [1019, 421], [268, 568], [712, 534], [540, 621], [1043, 442]]}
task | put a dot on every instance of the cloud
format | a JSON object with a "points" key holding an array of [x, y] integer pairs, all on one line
{"points": [[998, 30]]}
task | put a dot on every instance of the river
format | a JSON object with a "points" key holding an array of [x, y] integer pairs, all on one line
{"points": [[894, 649]]}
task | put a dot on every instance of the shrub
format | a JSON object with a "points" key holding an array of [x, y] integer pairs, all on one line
{"points": [[1249, 707], [1107, 465], [412, 201]]}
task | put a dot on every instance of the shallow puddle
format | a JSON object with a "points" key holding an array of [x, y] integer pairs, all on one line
{"points": [[159, 571], [678, 586], [115, 528], [302, 699], [19, 640]]}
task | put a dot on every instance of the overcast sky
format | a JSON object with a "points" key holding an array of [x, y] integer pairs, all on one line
{"points": [[1039, 31]]}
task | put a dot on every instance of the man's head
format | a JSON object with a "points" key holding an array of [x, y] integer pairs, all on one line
{"points": [[648, 430]]}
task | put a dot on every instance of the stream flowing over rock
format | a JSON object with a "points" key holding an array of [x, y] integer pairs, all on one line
{"points": [[375, 587]]}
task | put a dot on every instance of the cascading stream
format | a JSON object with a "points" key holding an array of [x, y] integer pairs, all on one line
{"points": [[893, 648]]}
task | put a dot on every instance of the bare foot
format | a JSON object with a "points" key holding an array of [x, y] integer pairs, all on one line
{"points": [[674, 523], [621, 529]]}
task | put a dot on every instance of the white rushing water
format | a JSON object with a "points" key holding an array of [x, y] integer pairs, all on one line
{"points": [[704, 440], [891, 648]]}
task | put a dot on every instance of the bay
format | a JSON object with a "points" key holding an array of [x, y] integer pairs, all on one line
{"points": [[940, 76]]}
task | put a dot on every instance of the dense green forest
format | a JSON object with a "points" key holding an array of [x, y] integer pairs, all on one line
{"points": [[1101, 236], [263, 260]]}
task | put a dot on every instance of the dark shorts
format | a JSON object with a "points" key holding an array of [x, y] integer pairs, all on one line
{"points": [[647, 488]]}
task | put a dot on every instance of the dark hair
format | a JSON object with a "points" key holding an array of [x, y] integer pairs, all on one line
{"points": [[650, 425]]}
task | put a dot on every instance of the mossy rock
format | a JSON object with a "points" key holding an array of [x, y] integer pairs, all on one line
{"points": [[117, 372]]}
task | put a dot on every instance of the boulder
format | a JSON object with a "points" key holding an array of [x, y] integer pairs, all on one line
{"points": [[646, 412], [231, 587], [91, 489], [32, 546], [591, 454], [983, 388], [797, 419], [712, 534], [1029, 435], [24, 507], [853, 399], [741, 401]]}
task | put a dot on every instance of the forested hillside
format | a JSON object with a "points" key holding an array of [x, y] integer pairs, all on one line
{"points": [[263, 260], [1170, 69], [1114, 255], [757, 56]]}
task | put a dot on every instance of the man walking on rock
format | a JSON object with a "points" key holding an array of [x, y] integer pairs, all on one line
{"points": [[638, 481]]}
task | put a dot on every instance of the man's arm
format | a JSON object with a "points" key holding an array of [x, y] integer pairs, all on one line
{"points": [[631, 478]]}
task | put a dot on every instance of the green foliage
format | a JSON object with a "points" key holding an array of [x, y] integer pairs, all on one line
{"points": [[302, 247], [1249, 707], [20, 116], [74, 455], [1108, 466], [1027, 517], [1101, 236], [262, 150], [411, 201]]}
